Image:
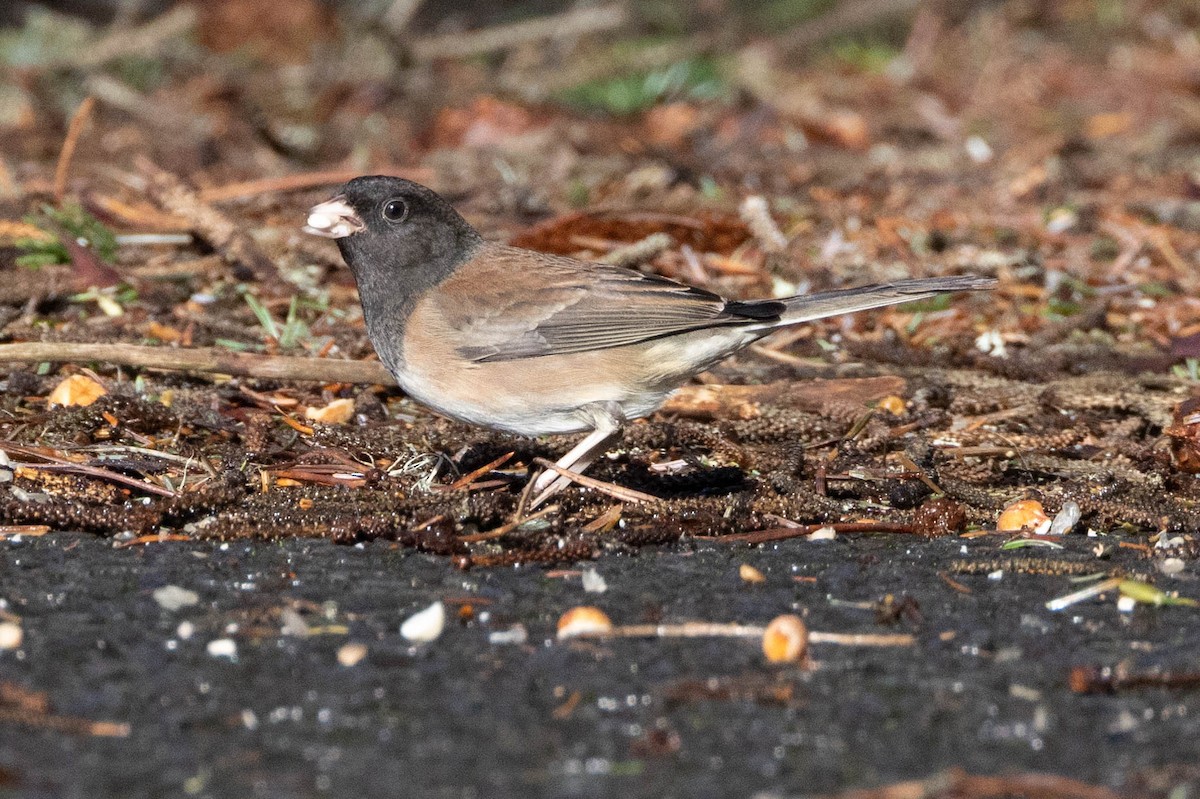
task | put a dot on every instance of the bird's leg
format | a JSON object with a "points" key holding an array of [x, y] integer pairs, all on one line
{"points": [[607, 427]]}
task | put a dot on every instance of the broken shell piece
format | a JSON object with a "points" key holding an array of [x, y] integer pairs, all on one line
{"points": [[1026, 515], [583, 620], [426, 625], [76, 390], [786, 639], [1066, 518]]}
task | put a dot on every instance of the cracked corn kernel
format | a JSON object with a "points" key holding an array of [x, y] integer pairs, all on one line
{"points": [[786, 639], [583, 620], [1024, 515]]}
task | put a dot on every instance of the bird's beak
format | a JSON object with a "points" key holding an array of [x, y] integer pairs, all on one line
{"points": [[333, 219]]}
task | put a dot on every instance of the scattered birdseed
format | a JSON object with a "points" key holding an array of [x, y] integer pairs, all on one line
{"points": [[426, 625], [174, 597]]}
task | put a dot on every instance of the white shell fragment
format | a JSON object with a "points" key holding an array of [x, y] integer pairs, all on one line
{"points": [[593, 582], [426, 625], [222, 648], [1065, 519], [174, 597]]}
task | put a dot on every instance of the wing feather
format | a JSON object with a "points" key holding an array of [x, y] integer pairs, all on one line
{"points": [[575, 307]]}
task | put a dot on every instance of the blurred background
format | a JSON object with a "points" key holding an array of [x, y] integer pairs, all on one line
{"points": [[1054, 144]]}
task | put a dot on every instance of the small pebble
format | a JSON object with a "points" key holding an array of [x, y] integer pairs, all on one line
{"points": [[1126, 604], [824, 534], [426, 625]]}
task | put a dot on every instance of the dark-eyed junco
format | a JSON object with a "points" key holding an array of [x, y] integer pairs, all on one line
{"points": [[535, 344]]}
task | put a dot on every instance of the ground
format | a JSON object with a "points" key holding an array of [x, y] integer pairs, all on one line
{"points": [[207, 565]]}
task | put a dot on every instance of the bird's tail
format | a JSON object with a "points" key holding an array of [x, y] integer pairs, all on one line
{"points": [[807, 307]]}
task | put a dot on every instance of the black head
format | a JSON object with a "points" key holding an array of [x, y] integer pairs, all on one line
{"points": [[400, 239], [390, 225]]}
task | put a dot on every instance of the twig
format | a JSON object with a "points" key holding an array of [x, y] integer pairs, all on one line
{"points": [[221, 232], [113, 92], [956, 782], [95, 471], [471, 477], [757, 216], [67, 724], [569, 24], [504, 529], [639, 252], [29, 530], [74, 131], [144, 40], [784, 533], [399, 14], [844, 18], [616, 491], [708, 629], [1103, 680], [266, 367], [299, 182]]}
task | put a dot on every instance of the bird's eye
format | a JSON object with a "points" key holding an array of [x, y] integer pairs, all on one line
{"points": [[395, 210]]}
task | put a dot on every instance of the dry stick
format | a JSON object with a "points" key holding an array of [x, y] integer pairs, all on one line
{"points": [[708, 629], [616, 491], [399, 14], [145, 40], [844, 18], [66, 724], [102, 474], [501, 37], [226, 236], [266, 367], [300, 182], [471, 477], [74, 130], [155, 113], [784, 533]]}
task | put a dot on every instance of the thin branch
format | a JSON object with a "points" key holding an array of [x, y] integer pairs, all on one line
{"points": [[501, 37], [74, 130], [615, 491], [212, 361], [846, 18], [146, 40], [300, 182], [224, 234]]}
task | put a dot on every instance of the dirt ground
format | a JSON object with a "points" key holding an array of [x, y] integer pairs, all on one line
{"points": [[206, 556]]}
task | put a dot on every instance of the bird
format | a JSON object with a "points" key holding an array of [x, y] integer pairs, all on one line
{"points": [[535, 344]]}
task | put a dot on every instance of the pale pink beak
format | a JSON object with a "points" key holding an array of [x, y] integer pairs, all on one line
{"points": [[333, 219]]}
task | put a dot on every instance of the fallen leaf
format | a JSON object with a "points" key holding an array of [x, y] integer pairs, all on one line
{"points": [[76, 390]]}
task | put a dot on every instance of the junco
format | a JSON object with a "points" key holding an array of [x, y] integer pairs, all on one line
{"points": [[535, 344]]}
